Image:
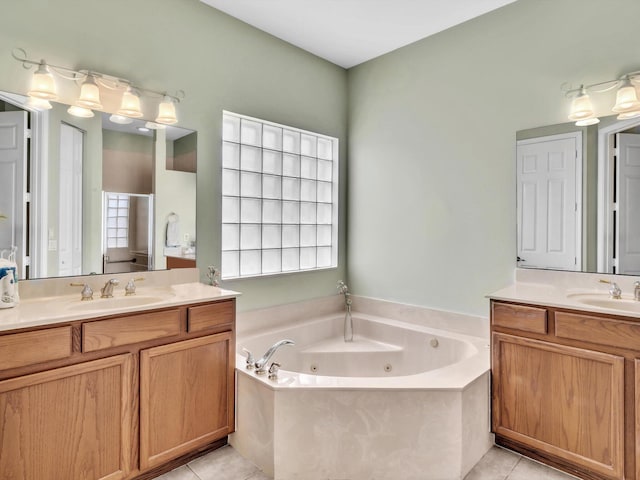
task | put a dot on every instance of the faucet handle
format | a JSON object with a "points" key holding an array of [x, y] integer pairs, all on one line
{"points": [[273, 370], [249, 362], [87, 291], [130, 288]]}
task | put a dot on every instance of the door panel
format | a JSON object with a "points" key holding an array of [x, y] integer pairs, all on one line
{"points": [[70, 208], [628, 226], [560, 400], [71, 423], [13, 184], [186, 397], [548, 224]]}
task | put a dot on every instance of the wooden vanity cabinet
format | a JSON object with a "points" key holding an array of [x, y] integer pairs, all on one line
{"points": [[566, 388], [119, 397]]}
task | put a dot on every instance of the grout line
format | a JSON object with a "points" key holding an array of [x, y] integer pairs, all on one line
{"points": [[514, 467], [191, 469]]}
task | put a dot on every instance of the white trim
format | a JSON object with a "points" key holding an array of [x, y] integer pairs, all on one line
{"points": [[579, 199], [605, 234], [39, 187]]}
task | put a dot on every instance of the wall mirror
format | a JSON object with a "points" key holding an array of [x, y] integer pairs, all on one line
{"points": [[90, 195], [578, 197]]}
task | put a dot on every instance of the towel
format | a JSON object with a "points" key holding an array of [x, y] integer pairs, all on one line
{"points": [[173, 230]]}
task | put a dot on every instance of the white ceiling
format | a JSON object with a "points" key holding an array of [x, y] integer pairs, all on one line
{"points": [[349, 32]]}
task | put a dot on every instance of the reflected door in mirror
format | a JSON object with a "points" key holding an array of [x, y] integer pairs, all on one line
{"points": [[549, 227], [13, 185]]}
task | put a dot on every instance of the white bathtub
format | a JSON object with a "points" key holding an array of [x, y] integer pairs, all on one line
{"points": [[401, 402]]}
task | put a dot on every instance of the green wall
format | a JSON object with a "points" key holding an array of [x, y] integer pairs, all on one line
{"points": [[220, 63], [432, 143]]}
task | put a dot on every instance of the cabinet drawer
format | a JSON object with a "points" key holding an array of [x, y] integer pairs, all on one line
{"points": [[213, 315], [518, 317], [614, 333], [129, 329], [20, 349]]}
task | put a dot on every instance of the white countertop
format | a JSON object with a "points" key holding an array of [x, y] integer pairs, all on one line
{"points": [[50, 310], [568, 290]]}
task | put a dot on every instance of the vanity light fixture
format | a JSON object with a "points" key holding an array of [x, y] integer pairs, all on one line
{"points": [[39, 103], [167, 111], [119, 119], [42, 84], [91, 83], [81, 112], [89, 94], [627, 104], [130, 106]]}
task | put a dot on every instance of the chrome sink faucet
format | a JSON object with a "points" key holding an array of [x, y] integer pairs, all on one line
{"points": [[260, 364], [614, 289], [107, 290]]}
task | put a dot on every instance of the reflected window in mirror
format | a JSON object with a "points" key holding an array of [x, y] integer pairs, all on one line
{"points": [[120, 155]]}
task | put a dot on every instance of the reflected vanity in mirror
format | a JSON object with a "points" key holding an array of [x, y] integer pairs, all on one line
{"points": [[93, 195], [578, 197]]}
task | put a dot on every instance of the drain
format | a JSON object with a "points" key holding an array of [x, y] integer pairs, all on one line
{"points": [[388, 367], [313, 368], [434, 342]]}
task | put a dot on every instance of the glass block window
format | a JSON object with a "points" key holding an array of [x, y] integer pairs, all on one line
{"points": [[117, 220], [279, 198]]}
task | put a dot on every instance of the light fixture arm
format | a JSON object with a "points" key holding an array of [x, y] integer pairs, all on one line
{"points": [[103, 79], [602, 87]]}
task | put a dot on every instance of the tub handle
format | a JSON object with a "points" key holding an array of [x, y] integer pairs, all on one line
{"points": [[250, 361], [273, 371]]}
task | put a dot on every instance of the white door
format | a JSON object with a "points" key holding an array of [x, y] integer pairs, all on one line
{"points": [[628, 204], [549, 202], [13, 184], [70, 211]]}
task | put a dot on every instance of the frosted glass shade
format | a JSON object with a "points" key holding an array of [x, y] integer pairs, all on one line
{"points": [[39, 103], [167, 112], [581, 107], [89, 95], [77, 111], [130, 106], [628, 115], [42, 84], [120, 119], [587, 121], [626, 99]]}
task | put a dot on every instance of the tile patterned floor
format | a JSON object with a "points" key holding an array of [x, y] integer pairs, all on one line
{"points": [[226, 464]]}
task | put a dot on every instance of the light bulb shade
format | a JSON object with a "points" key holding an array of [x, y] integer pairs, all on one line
{"points": [[121, 120], [89, 95], [167, 112], [38, 103], [130, 106], [628, 115], [587, 121], [626, 99], [82, 112], [581, 107], [42, 84]]}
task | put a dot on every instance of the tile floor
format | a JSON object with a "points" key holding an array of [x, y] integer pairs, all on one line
{"points": [[226, 464]]}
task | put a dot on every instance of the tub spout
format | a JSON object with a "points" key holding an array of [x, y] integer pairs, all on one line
{"points": [[269, 353]]}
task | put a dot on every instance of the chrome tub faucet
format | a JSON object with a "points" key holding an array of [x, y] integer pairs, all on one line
{"points": [[348, 321], [260, 364]]}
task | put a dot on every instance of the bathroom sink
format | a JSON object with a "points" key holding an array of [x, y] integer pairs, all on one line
{"points": [[99, 304], [604, 301]]}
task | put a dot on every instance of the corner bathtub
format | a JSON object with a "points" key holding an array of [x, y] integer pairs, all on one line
{"points": [[400, 402]]}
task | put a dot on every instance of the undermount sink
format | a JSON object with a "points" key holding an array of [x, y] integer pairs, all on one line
{"points": [[115, 302], [604, 301]]}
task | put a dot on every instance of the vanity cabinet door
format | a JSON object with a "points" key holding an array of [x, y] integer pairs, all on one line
{"points": [[186, 397], [560, 401], [71, 423]]}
